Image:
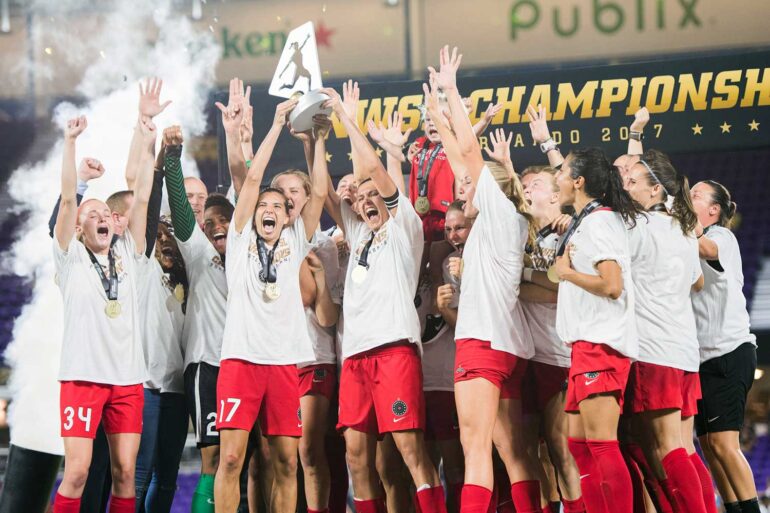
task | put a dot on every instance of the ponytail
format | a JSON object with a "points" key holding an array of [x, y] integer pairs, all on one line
{"points": [[727, 207], [682, 208], [662, 172], [511, 186]]}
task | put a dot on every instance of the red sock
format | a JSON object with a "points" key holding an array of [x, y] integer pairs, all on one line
{"points": [[547, 509], [654, 487], [526, 496], [62, 504], [590, 479], [637, 475], [575, 506], [122, 504], [475, 499], [370, 506], [616, 481], [683, 483], [431, 500], [706, 483]]}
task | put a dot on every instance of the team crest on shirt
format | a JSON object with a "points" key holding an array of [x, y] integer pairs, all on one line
{"points": [[377, 244], [281, 255], [591, 375], [217, 263], [399, 408], [299, 414]]}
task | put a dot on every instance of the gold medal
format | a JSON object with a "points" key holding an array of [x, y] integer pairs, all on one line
{"points": [[113, 308], [179, 292], [272, 291], [422, 205], [359, 274], [552, 274]]}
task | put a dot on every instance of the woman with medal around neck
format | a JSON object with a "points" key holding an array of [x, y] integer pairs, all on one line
{"points": [[663, 387], [594, 314], [102, 363], [728, 350], [265, 330]]}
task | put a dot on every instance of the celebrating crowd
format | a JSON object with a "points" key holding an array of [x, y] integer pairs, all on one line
{"points": [[476, 340]]}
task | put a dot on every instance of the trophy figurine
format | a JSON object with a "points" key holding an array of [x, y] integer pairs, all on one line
{"points": [[298, 75]]}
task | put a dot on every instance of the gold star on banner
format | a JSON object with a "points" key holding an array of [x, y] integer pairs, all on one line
{"points": [[697, 129], [328, 157], [753, 126], [378, 151], [725, 127]]}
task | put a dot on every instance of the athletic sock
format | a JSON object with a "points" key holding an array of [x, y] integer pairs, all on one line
{"points": [[62, 504], [526, 496], [547, 509], [122, 504], [637, 477], [682, 483], [654, 488], [732, 507], [203, 496], [475, 499], [590, 479], [750, 505], [615, 479], [706, 483], [370, 505], [431, 500], [575, 506]]}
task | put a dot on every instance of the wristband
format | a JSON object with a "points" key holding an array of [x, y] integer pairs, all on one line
{"points": [[526, 275], [391, 201], [82, 186], [636, 136], [701, 234], [548, 145]]}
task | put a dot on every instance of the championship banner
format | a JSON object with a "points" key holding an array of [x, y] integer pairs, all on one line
{"points": [[696, 105]]}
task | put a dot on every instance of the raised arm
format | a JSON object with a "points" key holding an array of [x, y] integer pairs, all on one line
{"points": [[448, 138], [641, 118], [483, 123], [137, 221], [501, 149], [319, 182], [149, 107], [66, 220], [153, 207], [370, 165], [232, 118], [539, 128], [394, 137], [88, 170], [247, 127], [247, 200], [182, 215]]}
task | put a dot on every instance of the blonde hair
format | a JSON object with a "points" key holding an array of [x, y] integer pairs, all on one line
{"points": [[534, 170], [511, 186], [293, 172]]}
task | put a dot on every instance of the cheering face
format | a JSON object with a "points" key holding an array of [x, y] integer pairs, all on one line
{"points": [[166, 249], [293, 188], [565, 183], [637, 183], [624, 163], [215, 225], [371, 206], [540, 193], [430, 130], [196, 195], [95, 225], [271, 215], [346, 189], [456, 228], [702, 198]]}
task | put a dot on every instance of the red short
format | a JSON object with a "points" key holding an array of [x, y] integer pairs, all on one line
{"points": [[433, 225], [243, 388], [654, 387], [596, 369], [476, 359], [381, 390], [441, 416], [82, 405], [691, 394], [318, 380], [542, 382]]}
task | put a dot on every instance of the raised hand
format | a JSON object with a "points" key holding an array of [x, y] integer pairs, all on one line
{"points": [[537, 124], [561, 223], [435, 112], [334, 102], [446, 77], [322, 125], [149, 98], [393, 133], [492, 111], [282, 111], [148, 130], [232, 114], [641, 118], [90, 169], [350, 95], [247, 124], [172, 136], [377, 132], [501, 146], [75, 127]]}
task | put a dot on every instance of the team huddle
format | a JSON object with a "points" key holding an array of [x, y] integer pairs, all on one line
{"points": [[509, 341]]}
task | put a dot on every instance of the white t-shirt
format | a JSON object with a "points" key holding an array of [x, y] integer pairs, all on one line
{"points": [[720, 308], [493, 260], [162, 324], [581, 315], [207, 298], [339, 291], [541, 317], [438, 357], [664, 266], [258, 330], [381, 310], [323, 339], [96, 348]]}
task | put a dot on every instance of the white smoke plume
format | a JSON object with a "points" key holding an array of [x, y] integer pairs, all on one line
{"points": [[131, 40]]}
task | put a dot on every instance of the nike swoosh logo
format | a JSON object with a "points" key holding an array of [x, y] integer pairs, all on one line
{"points": [[715, 418], [591, 382], [399, 420], [210, 501], [299, 425], [584, 476]]}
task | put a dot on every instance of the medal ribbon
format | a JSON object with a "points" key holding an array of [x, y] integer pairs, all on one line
{"points": [[593, 205], [266, 259], [424, 172], [110, 284], [365, 253], [658, 207], [542, 234]]}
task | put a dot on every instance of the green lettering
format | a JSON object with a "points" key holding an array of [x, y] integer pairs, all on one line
{"points": [[253, 44], [557, 25], [230, 44], [518, 22], [601, 10], [689, 13]]}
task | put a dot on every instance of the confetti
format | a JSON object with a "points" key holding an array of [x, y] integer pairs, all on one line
{"points": [[48, 50], [101, 52]]}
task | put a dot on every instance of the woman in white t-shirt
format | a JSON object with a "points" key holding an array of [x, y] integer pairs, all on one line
{"points": [[102, 363], [492, 342], [663, 385], [727, 347]]}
